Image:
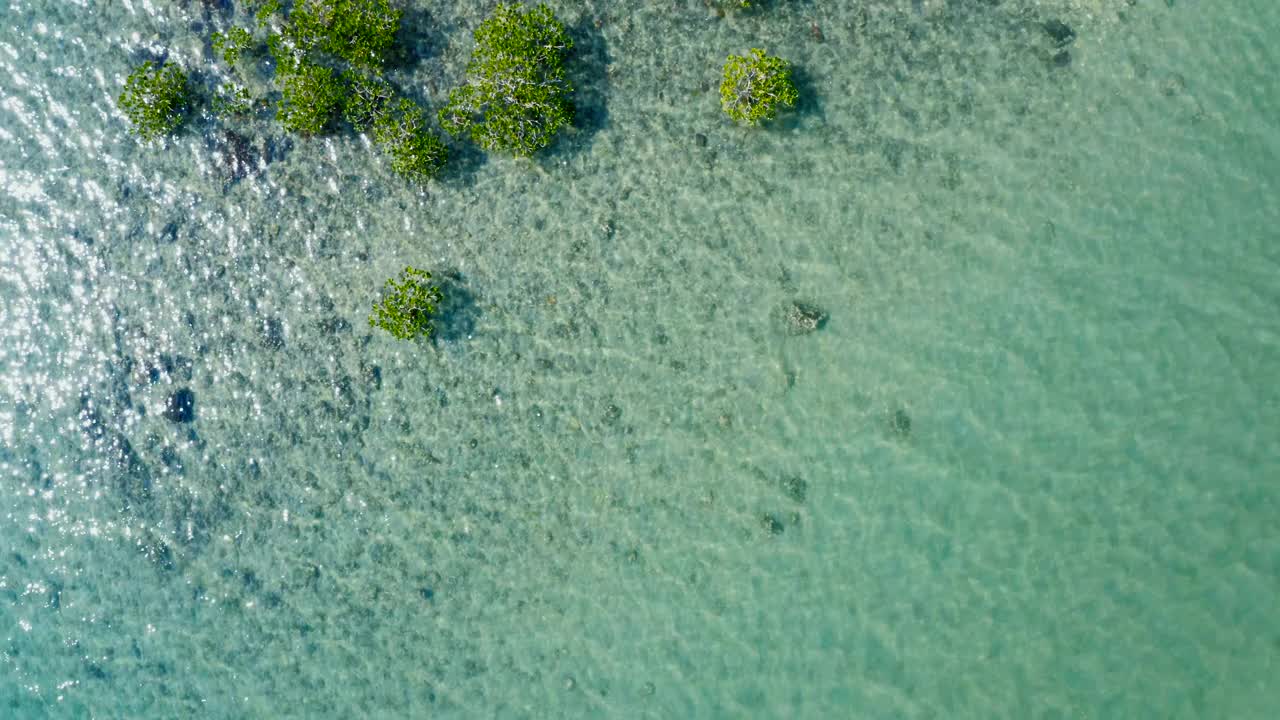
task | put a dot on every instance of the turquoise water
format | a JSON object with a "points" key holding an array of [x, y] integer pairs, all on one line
{"points": [[1037, 440]]}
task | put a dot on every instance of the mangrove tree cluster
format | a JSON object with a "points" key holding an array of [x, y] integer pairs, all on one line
{"points": [[326, 60], [324, 65]]}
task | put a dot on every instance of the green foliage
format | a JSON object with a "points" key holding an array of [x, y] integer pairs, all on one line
{"points": [[266, 8], [232, 99], [517, 95], [368, 98], [407, 305], [415, 153], [311, 42], [232, 43], [155, 99], [311, 97], [756, 86], [398, 126], [289, 56], [318, 34], [361, 32]]}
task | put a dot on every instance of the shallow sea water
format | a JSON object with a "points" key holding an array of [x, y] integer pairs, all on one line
{"points": [[1037, 441]]}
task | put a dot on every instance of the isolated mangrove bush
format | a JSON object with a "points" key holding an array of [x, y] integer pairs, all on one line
{"points": [[407, 305], [756, 86], [516, 95], [156, 99]]}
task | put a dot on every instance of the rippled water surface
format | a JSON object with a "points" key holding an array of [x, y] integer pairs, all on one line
{"points": [[1026, 469]]}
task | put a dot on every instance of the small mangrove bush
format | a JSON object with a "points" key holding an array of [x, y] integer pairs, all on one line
{"points": [[516, 95], [309, 100], [232, 44], [407, 305], [359, 32], [368, 98], [155, 99], [402, 132], [756, 86]]}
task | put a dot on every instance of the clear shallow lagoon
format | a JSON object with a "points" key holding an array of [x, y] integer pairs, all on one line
{"points": [[1065, 276]]}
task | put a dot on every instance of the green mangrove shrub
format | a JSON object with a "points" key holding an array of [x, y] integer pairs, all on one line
{"points": [[328, 57], [263, 10], [232, 44], [368, 98], [516, 96], [288, 54], [155, 99], [415, 153], [398, 126], [360, 32], [407, 305], [355, 33], [756, 86], [310, 98]]}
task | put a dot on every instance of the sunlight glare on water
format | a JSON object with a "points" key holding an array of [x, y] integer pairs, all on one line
{"points": [[1023, 468]]}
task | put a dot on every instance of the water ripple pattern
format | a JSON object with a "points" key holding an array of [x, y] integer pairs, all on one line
{"points": [[1026, 468]]}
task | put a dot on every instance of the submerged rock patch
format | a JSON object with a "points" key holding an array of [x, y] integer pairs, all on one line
{"points": [[802, 318], [180, 407]]}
